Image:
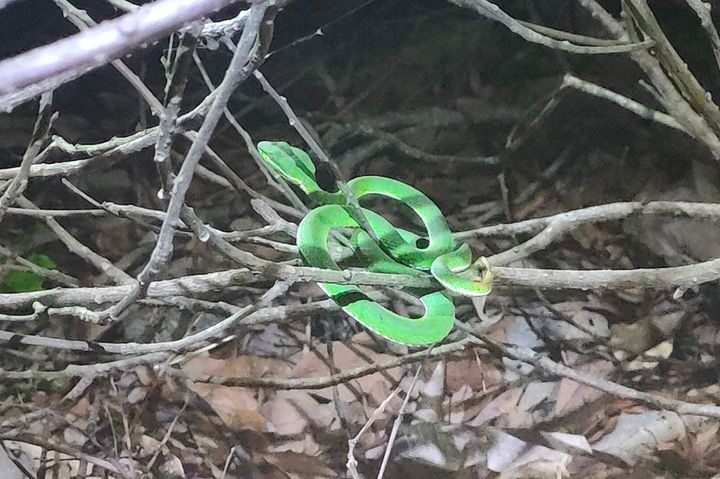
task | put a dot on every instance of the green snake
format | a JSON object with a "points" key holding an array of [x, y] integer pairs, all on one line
{"points": [[398, 250]]}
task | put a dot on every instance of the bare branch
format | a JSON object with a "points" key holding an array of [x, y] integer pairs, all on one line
{"points": [[525, 277], [39, 137], [673, 64], [89, 370], [64, 449], [616, 279], [101, 263], [351, 200], [238, 70], [671, 98], [493, 12], [702, 9], [413, 152], [639, 109], [47, 67], [323, 382], [53, 213]]}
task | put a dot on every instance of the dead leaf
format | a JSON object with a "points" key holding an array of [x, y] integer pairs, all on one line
{"points": [[505, 403], [145, 375], [306, 446], [571, 395], [137, 394], [638, 435], [81, 408], [535, 393], [172, 467], [291, 412], [236, 406], [706, 439], [517, 332], [433, 387], [471, 372], [285, 417], [74, 437], [239, 367], [375, 385], [514, 458], [148, 446], [570, 443]]}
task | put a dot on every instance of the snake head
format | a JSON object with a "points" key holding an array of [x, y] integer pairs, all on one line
{"points": [[482, 264], [480, 278], [290, 163]]}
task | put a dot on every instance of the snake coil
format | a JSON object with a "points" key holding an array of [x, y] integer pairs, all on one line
{"points": [[399, 251]]}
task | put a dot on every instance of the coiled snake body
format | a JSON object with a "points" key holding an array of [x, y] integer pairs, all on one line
{"points": [[399, 251]]}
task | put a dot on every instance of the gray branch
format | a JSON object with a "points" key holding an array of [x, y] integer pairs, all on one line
{"points": [[45, 68]]}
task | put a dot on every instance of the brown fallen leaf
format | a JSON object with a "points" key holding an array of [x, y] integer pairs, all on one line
{"points": [[238, 407], [241, 366], [571, 395], [376, 385], [471, 372], [292, 411], [505, 403]]}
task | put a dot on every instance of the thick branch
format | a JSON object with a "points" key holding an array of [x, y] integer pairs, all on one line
{"points": [[47, 67]]}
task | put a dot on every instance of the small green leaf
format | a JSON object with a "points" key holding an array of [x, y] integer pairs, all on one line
{"points": [[41, 260], [27, 281], [22, 281]]}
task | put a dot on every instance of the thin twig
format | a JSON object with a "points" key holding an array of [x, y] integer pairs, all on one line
{"points": [[205, 283], [75, 246], [572, 37], [639, 109], [492, 11], [413, 152], [351, 461], [351, 200], [260, 316], [673, 64], [39, 137], [88, 370], [702, 10], [177, 73], [51, 274], [40, 213], [323, 382], [265, 35], [670, 96], [526, 277], [398, 421], [299, 209], [601, 213], [53, 446], [124, 147]]}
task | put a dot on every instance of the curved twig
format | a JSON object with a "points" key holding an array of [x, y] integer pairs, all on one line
{"points": [[492, 11]]}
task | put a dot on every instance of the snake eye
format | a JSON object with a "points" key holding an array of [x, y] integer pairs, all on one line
{"points": [[422, 243]]}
